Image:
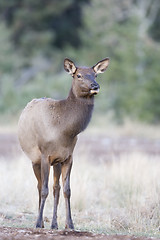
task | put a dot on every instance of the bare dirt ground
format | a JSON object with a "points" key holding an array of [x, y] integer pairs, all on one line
{"points": [[9, 148], [41, 234]]}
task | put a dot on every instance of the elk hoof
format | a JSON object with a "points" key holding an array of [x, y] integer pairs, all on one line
{"points": [[69, 226], [40, 225], [54, 226]]}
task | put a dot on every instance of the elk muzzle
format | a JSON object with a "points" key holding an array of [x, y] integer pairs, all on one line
{"points": [[94, 88]]}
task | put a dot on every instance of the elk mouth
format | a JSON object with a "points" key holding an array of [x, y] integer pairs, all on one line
{"points": [[94, 91]]}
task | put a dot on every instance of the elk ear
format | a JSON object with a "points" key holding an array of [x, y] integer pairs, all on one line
{"points": [[101, 66], [69, 66]]}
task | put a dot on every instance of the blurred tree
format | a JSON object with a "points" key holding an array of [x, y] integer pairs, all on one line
{"points": [[127, 31], [155, 27], [121, 30], [36, 24], [9, 66], [8, 57]]}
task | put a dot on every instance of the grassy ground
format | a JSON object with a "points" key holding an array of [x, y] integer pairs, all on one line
{"points": [[105, 124], [120, 196]]}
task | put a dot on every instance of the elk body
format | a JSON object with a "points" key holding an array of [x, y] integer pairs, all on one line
{"points": [[48, 130]]}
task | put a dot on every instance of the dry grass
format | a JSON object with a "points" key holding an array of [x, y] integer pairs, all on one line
{"points": [[122, 196]]}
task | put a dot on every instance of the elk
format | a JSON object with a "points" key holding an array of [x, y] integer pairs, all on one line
{"points": [[48, 129]]}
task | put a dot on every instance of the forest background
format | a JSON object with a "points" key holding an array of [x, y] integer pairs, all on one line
{"points": [[35, 37]]}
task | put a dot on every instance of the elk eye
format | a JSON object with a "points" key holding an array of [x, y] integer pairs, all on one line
{"points": [[79, 75]]}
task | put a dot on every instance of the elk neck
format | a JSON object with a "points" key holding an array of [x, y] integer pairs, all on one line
{"points": [[79, 111]]}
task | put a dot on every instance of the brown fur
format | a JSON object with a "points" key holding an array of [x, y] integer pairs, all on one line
{"points": [[48, 132]]}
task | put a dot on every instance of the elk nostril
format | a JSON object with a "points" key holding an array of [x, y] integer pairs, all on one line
{"points": [[95, 86]]}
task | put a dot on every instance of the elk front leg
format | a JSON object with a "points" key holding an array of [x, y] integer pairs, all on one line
{"points": [[56, 190], [66, 170], [37, 172], [45, 167]]}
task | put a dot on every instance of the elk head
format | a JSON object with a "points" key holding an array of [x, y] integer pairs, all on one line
{"points": [[84, 78]]}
